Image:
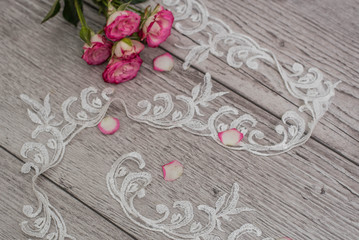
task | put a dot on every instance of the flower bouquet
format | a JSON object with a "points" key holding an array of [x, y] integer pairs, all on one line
{"points": [[125, 34]]}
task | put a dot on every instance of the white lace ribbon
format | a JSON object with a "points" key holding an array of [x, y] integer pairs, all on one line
{"points": [[125, 186], [309, 87]]}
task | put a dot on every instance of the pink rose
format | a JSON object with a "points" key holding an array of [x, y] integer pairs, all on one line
{"points": [[121, 70], [157, 27], [98, 52], [121, 24], [127, 48]]}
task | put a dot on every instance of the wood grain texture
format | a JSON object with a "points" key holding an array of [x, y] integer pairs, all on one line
{"points": [[295, 33], [309, 193], [16, 191]]}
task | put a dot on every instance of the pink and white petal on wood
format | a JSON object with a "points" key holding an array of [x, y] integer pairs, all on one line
{"points": [[172, 170], [109, 125], [163, 63], [230, 137]]}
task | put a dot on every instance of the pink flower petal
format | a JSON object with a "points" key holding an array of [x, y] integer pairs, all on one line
{"points": [[138, 46], [98, 52], [157, 27], [163, 62], [230, 137], [120, 70], [109, 125], [127, 48], [172, 170], [121, 24], [97, 38]]}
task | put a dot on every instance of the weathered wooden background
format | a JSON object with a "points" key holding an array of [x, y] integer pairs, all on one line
{"points": [[311, 192]]}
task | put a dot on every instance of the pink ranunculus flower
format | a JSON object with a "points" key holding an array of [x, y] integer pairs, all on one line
{"points": [[98, 52], [157, 27], [127, 48], [121, 70], [121, 24]]}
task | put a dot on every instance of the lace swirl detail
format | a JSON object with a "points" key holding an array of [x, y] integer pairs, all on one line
{"points": [[178, 223], [310, 87], [166, 116]]}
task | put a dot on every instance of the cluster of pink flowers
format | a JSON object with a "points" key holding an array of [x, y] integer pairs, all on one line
{"points": [[125, 35]]}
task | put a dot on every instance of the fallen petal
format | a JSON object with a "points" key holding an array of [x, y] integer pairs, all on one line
{"points": [[172, 170], [163, 63], [230, 137], [109, 125]]}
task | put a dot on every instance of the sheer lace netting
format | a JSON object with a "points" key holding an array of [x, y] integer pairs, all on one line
{"points": [[310, 88], [180, 223]]}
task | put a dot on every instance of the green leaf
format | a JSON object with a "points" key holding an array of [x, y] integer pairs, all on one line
{"points": [[123, 6], [117, 3], [85, 35], [134, 1], [70, 13], [53, 11]]}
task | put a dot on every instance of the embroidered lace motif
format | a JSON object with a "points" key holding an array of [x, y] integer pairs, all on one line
{"points": [[309, 87], [165, 116], [179, 224]]}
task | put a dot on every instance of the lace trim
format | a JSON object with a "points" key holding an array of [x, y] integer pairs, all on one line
{"points": [[165, 116], [179, 223], [310, 87], [46, 156]]}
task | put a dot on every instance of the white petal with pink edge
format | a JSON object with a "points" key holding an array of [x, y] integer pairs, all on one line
{"points": [[96, 38], [163, 63], [172, 170], [109, 125], [230, 137]]}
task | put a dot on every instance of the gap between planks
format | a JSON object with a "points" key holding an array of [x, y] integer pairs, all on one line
{"points": [[90, 5], [74, 197]]}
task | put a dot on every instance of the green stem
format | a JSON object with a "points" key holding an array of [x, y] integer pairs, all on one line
{"points": [[80, 14], [119, 3], [134, 9], [101, 31]]}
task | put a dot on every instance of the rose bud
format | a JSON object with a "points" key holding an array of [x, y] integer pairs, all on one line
{"points": [[127, 48], [121, 70], [98, 52], [121, 24], [157, 27]]}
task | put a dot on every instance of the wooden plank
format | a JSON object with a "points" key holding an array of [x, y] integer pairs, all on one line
{"points": [[255, 20], [310, 51], [286, 189], [82, 222], [78, 168]]}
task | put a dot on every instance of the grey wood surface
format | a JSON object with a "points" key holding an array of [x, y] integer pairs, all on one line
{"points": [[16, 189], [311, 192]]}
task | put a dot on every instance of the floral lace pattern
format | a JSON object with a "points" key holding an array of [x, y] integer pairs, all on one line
{"points": [[309, 87], [46, 156], [167, 115], [175, 225]]}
